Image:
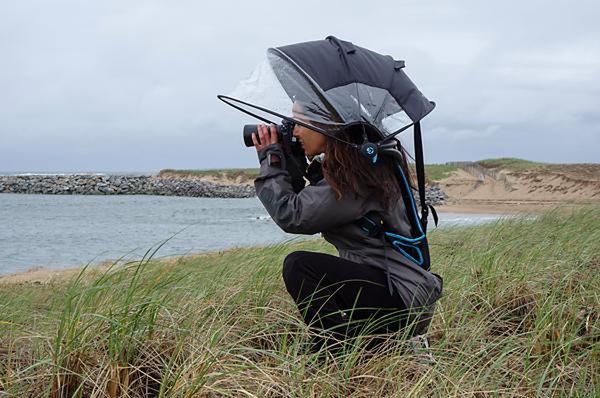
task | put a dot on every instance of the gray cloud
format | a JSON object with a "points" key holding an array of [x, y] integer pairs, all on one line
{"points": [[132, 85]]}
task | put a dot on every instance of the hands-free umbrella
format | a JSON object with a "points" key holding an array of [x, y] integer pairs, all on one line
{"points": [[329, 85]]}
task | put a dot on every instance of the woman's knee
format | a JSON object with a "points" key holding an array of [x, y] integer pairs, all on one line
{"points": [[293, 266]]}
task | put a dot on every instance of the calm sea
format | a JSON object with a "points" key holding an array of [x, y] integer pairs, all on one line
{"points": [[57, 231]]}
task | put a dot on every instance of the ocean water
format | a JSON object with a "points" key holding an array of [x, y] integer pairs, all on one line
{"points": [[60, 231]]}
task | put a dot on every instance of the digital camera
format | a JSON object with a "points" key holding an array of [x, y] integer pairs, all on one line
{"points": [[284, 134]]}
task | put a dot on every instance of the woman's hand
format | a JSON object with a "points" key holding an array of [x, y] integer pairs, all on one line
{"points": [[266, 136]]}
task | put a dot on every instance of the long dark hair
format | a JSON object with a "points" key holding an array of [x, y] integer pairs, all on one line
{"points": [[347, 171]]}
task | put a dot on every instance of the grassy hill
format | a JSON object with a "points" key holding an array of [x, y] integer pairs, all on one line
{"points": [[434, 172], [244, 174], [512, 164], [520, 316]]}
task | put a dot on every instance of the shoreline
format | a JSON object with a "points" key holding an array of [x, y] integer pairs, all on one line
{"points": [[166, 185], [42, 275]]}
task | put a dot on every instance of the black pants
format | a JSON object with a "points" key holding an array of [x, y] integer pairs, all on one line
{"points": [[342, 297]]}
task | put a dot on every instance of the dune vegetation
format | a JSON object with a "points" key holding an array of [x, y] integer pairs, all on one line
{"points": [[433, 172], [513, 164], [520, 316], [243, 175]]}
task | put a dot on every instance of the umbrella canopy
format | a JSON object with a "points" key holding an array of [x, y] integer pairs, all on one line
{"points": [[330, 84]]}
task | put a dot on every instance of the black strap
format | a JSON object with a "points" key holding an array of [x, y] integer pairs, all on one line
{"points": [[434, 214], [372, 224], [314, 172], [420, 165]]}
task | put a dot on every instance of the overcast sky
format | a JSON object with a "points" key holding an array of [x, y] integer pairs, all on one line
{"points": [[131, 85]]}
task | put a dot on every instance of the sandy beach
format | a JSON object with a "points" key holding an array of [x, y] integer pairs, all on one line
{"points": [[39, 275]]}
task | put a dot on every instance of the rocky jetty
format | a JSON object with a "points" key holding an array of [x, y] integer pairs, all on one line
{"points": [[92, 184], [433, 195]]}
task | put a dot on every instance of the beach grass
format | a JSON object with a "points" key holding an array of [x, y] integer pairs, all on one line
{"points": [[512, 164], [244, 174], [434, 172], [437, 172], [520, 316]]}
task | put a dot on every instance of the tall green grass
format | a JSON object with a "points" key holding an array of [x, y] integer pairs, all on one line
{"points": [[513, 164], [520, 316]]}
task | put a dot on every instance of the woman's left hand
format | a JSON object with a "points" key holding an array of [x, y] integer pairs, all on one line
{"points": [[266, 136]]}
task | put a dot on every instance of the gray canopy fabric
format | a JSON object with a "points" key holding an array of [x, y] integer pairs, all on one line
{"points": [[330, 84], [342, 83]]}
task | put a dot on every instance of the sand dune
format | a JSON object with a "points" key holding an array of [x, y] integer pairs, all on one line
{"points": [[541, 186]]}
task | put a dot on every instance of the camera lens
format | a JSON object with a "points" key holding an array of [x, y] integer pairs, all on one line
{"points": [[284, 135], [248, 130]]}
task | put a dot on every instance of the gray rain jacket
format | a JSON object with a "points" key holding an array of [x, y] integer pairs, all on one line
{"points": [[316, 209]]}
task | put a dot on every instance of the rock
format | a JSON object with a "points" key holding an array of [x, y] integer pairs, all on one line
{"points": [[143, 185]]}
